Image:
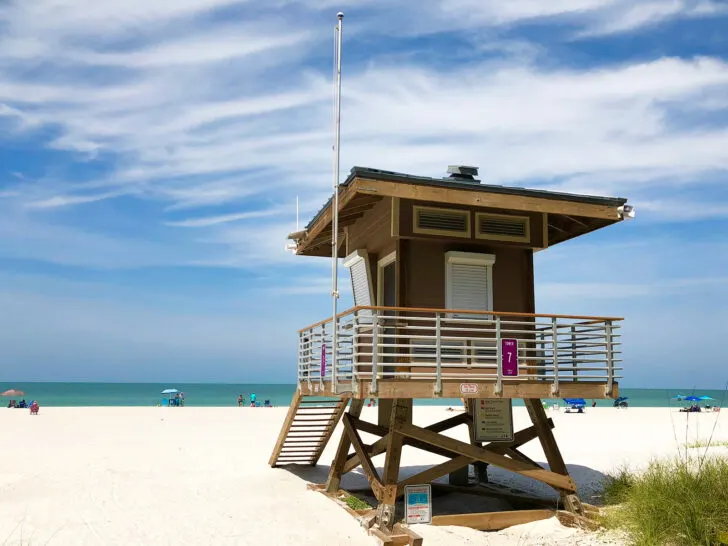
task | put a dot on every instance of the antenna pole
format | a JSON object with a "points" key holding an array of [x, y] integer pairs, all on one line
{"points": [[335, 201]]}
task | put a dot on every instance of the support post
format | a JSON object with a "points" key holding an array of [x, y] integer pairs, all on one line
{"points": [[481, 468], [337, 467], [400, 414]]}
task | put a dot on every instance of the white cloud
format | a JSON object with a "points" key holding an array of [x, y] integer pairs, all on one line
{"points": [[222, 218], [632, 16], [66, 200], [246, 121]]}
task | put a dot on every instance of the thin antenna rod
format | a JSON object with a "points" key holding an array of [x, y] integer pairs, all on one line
{"points": [[335, 203]]}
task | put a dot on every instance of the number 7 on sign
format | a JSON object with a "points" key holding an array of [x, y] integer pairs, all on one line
{"points": [[509, 357]]}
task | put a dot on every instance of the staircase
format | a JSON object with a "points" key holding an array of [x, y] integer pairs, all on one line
{"points": [[309, 424]]}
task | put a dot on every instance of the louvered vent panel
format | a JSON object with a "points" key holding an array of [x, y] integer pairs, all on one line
{"points": [[439, 221], [509, 228]]}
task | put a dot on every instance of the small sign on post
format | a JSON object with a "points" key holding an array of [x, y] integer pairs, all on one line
{"points": [[509, 357], [418, 503], [323, 360], [493, 420]]}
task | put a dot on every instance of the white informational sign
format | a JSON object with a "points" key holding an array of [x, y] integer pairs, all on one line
{"points": [[418, 503], [493, 419]]}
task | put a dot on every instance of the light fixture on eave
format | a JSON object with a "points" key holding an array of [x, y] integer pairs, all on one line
{"points": [[626, 212]]}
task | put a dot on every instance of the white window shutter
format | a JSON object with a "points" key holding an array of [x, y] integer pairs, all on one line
{"points": [[361, 282], [469, 279]]}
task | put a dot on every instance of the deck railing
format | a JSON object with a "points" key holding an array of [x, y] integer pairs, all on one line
{"points": [[380, 343]]}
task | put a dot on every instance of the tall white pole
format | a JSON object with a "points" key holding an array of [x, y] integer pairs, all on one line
{"points": [[335, 203]]}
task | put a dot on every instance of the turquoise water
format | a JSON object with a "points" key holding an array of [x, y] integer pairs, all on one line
{"points": [[221, 394]]}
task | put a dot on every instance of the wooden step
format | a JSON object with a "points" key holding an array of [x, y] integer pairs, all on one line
{"points": [[308, 426]]}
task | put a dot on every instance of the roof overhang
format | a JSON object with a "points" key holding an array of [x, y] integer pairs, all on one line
{"points": [[569, 215]]}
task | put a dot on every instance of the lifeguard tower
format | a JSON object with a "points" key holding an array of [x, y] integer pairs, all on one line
{"points": [[443, 283]]}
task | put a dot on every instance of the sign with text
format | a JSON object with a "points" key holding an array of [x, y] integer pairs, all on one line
{"points": [[323, 360], [493, 419], [509, 357], [418, 503], [468, 388]]}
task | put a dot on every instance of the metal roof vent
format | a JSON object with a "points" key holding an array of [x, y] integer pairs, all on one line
{"points": [[463, 173]]}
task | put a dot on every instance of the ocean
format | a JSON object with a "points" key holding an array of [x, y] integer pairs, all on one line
{"points": [[224, 394]]}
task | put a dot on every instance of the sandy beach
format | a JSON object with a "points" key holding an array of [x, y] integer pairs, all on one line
{"points": [[200, 475]]}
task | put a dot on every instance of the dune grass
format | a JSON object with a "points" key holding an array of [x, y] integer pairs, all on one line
{"points": [[671, 503], [706, 443], [356, 504]]}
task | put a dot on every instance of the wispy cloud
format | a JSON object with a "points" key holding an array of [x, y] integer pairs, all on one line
{"points": [[67, 200], [222, 219], [631, 16], [246, 116]]}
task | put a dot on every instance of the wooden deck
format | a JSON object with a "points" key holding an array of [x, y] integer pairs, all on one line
{"points": [[402, 388]]}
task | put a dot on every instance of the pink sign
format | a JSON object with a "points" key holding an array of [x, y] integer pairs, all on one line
{"points": [[323, 360], [509, 357]]}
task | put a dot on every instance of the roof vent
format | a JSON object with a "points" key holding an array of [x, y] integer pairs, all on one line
{"points": [[463, 173]]}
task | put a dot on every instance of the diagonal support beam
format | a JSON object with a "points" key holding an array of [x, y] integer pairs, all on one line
{"points": [[380, 446], [519, 438], [366, 462], [336, 471], [435, 472], [449, 423], [482, 454]]}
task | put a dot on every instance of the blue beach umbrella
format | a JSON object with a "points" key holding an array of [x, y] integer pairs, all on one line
{"points": [[575, 402], [706, 398], [170, 391], [692, 399]]}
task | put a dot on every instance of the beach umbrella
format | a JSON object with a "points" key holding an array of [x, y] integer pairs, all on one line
{"points": [[706, 398], [575, 401], [170, 391], [12, 392], [692, 399]]}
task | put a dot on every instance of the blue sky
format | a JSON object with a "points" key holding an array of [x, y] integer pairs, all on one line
{"points": [[151, 155]]}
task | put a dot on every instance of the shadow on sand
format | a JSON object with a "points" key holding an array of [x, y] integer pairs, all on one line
{"points": [[518, 492]]}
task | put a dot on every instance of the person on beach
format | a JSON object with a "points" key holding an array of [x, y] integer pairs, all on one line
{"points": [[182, 399], [240, 400], [252, 399]]}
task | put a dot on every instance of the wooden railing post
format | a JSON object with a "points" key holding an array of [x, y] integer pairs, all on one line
{"points": [[438, 355], [610, 356], [555, 347], [375, 352], [355, 353], [323, 354], [498, 357], [573, 351]]}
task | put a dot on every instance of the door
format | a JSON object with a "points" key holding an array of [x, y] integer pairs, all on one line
{"points": [[387, 297]]}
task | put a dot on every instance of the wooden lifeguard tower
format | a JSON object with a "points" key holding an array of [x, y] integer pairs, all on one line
{"points": [[443, 284]]}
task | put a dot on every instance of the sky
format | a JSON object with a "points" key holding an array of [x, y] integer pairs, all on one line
{"points": [[151, 155]]}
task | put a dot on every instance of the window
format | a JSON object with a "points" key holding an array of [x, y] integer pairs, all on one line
{"points": [[361, 282], [436, 221], [386, 281], [469, 282], [502, 227]]}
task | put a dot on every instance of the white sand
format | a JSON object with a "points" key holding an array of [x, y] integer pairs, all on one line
{"points": [[200, 475]]}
